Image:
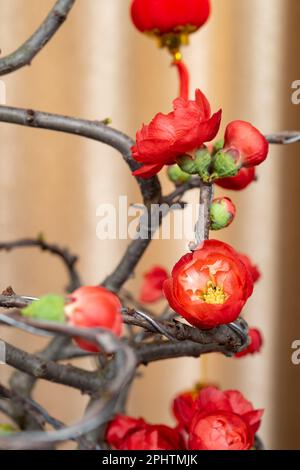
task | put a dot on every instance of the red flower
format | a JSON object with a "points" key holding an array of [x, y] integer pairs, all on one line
{"points": [[152, 285], [216, 420], [255, 273], [221, 430], [256, 342], [251, 145], [125, 433], [210, 286], [165, 16], [169, 136], [244, 177], [94, 307]]}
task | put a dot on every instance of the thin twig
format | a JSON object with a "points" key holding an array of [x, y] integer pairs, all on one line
{"points": [[284, 137], [25, 53], [64, 254]]}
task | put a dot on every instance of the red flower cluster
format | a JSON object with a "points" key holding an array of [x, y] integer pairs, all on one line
{"points": [[210, 286], [167, 137], [152, 286], [184, 131], [256, 342], [125, 433], [207, 420], [166, 16], [94, 307], [216, 420]]}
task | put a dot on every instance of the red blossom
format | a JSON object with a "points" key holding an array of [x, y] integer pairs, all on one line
{"points": [[255, 273], [210, 286], [169, 136], [244, 177], [152, 286], [94, 307], [256, 342], [165, 16], [250, 144], [124, 433], [216, 420]]}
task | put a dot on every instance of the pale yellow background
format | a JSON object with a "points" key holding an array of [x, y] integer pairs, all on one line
{"points": [[98, 66]]}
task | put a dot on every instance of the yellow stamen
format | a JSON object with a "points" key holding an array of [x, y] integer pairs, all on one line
{"points": [[214, 294]]}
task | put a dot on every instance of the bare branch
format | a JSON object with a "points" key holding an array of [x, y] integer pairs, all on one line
{"points": [[98, 414], [284, 137], [24, 55], [64, 254], [39, 368], [94, 130]]}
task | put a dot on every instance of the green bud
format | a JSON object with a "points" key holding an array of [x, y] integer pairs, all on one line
{"points": [[198, 165], [48, 308], [225, 164], [218, 145], [177, 176], [222, 213], [187, 164], [203, 162]]}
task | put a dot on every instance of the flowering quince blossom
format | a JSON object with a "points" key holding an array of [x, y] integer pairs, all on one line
{"points": [[94, 307], [216, 420], [210, 286], [255, 273], [166, 16], [152, 286], [256, 342], [236, 183], [243, 138], [169, 136], [125, 433]]}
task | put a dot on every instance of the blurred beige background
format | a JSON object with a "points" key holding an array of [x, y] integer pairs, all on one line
{"points": [[98, 66]]}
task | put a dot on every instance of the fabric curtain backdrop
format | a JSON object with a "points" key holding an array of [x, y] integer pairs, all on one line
{"points": [[99, 66]]}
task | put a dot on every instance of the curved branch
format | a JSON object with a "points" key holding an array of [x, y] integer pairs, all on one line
{"points": [[94, 130], [25, 53], [68, 258]]}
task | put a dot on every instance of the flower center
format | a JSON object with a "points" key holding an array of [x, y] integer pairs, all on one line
{"points": [[214, 294]]}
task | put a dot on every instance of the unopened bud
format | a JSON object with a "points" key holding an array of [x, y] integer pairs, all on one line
{"points": [[226, 163], [222, 213], [177, 176]]}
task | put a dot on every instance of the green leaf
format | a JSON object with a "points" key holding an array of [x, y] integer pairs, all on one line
{"points": [[7, 429], [48, 308]]}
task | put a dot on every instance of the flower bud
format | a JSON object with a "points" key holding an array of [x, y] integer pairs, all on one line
{"points": [[198, 165], [226, 163], [94, 307], [177, 176], [222, 213]]}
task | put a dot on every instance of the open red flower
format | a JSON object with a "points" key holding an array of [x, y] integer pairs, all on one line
{"points": [[124, 433], [180, 132], [244, 177], [255, 273], [152, 286], [210, 286], [251, 145], [256, 342], [165, 16], [94, 307], [216, 420]]}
